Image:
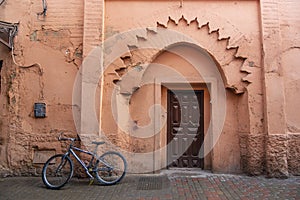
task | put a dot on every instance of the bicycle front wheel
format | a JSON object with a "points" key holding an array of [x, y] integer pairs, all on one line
{"points": [[110, 168], [57, 171]]}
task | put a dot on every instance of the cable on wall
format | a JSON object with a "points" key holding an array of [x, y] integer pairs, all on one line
{"points": [[45, 7], [23, 66], [1, 2]]}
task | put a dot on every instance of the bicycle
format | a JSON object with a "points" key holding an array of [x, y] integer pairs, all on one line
{"points": [[109, 168]]}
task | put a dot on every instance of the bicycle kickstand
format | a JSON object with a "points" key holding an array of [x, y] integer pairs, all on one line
{"points": [[91, 181], [91, 178]]}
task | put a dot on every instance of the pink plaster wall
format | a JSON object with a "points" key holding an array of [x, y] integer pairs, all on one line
{"points": [[255, 43]]}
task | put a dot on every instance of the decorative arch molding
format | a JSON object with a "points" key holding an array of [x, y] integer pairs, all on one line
{"points": [[232, 66], [215, 22]]}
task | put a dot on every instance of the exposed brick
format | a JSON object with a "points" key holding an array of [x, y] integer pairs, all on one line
{"points": [[66, 15], [93, 19]]}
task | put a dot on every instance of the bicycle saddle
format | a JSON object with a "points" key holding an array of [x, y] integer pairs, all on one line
{"points": [[97, 143]]}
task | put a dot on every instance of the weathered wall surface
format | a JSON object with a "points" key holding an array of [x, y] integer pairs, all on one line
{"points": [[280, 31], [255, 43], [48, 53]]}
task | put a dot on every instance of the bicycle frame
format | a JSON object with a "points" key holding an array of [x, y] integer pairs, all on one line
{"points": [[86, 167]]}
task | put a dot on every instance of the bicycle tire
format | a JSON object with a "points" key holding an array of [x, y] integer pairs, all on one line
{"points": [[53, 177], [110, 168]]}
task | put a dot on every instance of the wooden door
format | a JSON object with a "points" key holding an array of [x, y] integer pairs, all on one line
{"points": [[185, 132]]}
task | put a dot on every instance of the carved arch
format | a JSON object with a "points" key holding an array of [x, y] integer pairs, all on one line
{"points": [[230, 64]]}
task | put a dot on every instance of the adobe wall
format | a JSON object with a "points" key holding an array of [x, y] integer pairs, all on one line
{"points": [[280, 31], [47, 53], [211, 26], [259, 70], [261, 150]]}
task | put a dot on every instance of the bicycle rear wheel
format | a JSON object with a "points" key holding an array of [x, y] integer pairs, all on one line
{"points": [[110, 168], [57, 171]]}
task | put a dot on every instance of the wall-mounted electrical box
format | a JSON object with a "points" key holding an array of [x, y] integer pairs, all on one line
{"points": [[39, 110]]}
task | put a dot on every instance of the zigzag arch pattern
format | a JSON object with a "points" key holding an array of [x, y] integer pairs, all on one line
{"points": [[216, 23], [231, 63]]}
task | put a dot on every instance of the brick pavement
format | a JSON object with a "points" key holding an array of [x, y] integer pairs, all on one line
{"points": [[154, 187]]}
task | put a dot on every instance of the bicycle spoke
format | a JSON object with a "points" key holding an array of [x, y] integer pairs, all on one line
{"points": [[57, 171], [111, 168]]}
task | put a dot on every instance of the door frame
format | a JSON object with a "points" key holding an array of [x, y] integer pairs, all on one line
{"points": [[160, 140]]}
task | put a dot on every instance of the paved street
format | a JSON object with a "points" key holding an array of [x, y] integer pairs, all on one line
{"points": [[162, 186]]}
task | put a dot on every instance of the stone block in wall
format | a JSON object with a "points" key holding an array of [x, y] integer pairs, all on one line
{"points": [[276, 156], [41, 156], [293, 157], [255, 159], [243, 149]]}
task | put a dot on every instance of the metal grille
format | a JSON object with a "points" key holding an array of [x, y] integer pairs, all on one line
{"points": [[151, 183], [7, 33]]}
